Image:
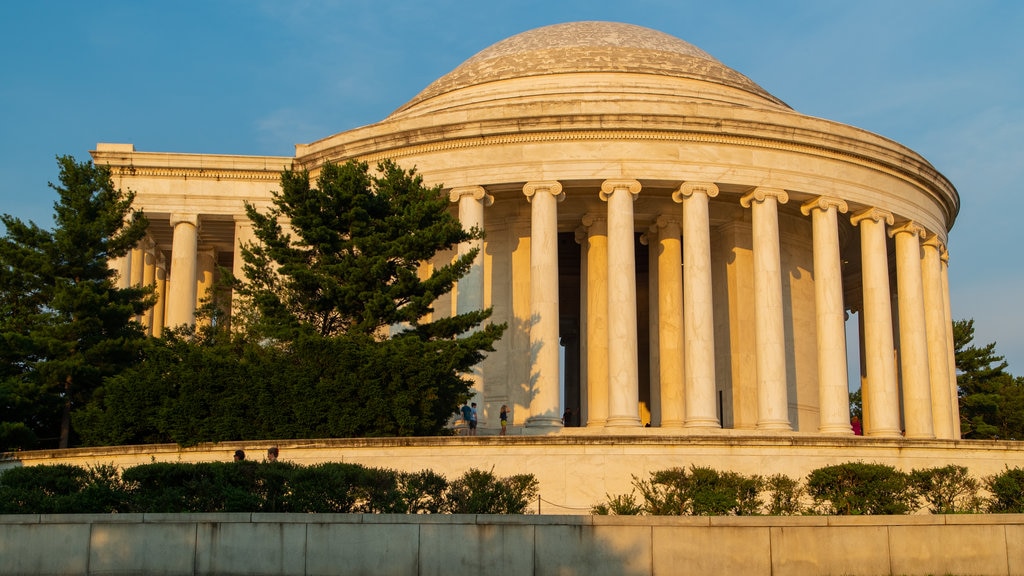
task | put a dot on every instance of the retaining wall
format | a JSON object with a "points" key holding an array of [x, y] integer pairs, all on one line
{"points": [[301, 544]]}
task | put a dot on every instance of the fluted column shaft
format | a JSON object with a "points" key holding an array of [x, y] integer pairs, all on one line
{"points": [[181, 294], [471, 201], [698, 312], [597, 319], [148, 279], [935, 325], [670, 321], [160, 282], [881, 397], [830, 316], [772, 399], [544, 399], [950, 354], [623, 389], [917, 397]]}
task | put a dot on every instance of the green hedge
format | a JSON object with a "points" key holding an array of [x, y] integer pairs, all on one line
{"points": [[258, 487], [853, 488]]}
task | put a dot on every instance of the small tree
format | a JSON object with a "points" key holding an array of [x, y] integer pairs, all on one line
{"points": [[64, 325]]}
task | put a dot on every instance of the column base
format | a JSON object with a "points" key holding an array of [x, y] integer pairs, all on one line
{"points": [[623, 422], [775, 425], [542, 425], [702, 423], [836, 431]]}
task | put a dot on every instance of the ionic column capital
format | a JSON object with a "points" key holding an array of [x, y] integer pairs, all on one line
{"points": [[610, 186], [552, 187], [474, 192], [665, 220], [687, 189], [908, 227], [589, 219], [932, 241], [760, 194], [823, 203], [873, 214], [180, 218]]}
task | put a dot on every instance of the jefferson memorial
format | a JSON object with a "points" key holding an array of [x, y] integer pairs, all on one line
{"points": [[675, 250]]}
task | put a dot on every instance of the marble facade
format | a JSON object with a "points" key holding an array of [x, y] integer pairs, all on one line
{"points": [[670, 245]]}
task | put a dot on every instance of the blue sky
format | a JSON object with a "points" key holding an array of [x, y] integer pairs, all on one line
{"points": [[945, 78]]}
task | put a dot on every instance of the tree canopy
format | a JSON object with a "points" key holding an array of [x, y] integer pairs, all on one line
{"points": [[64, 325], [991, 400]]}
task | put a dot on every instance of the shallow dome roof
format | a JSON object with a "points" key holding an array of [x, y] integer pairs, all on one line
{"points": [[581, 47]]}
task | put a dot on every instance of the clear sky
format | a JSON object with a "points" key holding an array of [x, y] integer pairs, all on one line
{"points": [[943, 77]]}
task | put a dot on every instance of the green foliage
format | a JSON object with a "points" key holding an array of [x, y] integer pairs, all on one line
{"points": [[784, 496], [258, 487], [64, 325], [702, 491], [1007, 489], [857, 488], [619, 505], [61, 489], [947, 490], [480, 492], [991, 400]]}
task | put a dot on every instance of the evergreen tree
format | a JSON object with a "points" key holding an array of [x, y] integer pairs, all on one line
{"points": [[64, 325], [354, 263], [991, 400]]}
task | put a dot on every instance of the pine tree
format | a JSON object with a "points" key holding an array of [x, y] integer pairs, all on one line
{"points": [[991, 400], [64, 325]]}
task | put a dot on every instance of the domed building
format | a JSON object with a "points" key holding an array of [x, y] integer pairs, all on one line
{"points": [[674, 249]]}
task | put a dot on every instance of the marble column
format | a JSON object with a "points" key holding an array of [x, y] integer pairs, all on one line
{"points": [[544, 396], [698, 312], [244, 236], [769, 333], [596, 279], [830, 315], [471, 201], [623, 387], [148, 279], [954, 390], [650, 239], [123, 266], [181, 292], [880, 395], [160, 280], [935, 325], [670, 321], [206, 275], [917, 397]]}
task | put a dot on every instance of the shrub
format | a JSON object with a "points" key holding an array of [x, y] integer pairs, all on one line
{"points": [[621, 505], [783, 496], [857, 488], [479, 492], [1007, 489], [947, 490], [61, 489]]}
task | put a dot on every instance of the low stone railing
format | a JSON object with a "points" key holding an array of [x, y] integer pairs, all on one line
{"points": [[302, 544]]}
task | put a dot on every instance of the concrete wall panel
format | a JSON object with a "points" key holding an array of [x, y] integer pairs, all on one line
{"points": [[593, 550], [251, 548], [139, 548], [361, 549], [948, 549], [847, 550], [476, 549], [44, 548], [697, 550]]}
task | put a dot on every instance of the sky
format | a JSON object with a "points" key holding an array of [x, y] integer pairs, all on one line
{"points": [[943, 77]]}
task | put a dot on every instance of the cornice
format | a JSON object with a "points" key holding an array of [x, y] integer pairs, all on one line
{"points": [[196, 173]]}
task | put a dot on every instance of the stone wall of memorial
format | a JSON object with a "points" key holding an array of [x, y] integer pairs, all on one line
{"points": [[575, 471]]}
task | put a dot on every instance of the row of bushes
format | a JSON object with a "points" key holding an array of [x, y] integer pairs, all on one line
{"points": [[258, 487], [853, 488]]}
